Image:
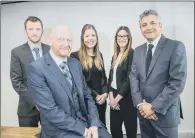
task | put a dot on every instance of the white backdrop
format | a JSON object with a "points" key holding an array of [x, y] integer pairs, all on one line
{"points": [[177, 20]]}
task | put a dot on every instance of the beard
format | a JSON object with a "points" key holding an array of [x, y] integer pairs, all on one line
{"points": [[34, 41]]}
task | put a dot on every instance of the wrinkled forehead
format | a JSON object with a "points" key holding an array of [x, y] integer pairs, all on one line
{"points": [[61, 32]]}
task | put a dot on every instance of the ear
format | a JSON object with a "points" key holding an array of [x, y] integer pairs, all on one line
{"points": [[140, 24], [25, 32], [160, 25]]}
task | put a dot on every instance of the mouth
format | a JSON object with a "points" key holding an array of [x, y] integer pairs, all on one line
{"points": [[65, 48], [149, 32], [90, 43], [122, 41]]}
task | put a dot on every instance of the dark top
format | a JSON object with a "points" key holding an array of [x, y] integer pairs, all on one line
{"points": [[96, 76], [122, 76], [96, 79]]}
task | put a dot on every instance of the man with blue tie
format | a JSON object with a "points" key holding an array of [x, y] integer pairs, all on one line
{"points": [[21, 56], [157, 79], [58, 88]]}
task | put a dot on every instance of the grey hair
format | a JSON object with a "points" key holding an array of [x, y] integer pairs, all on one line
{"points": [[150, 12]]}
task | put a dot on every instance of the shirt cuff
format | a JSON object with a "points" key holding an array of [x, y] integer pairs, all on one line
{"points": [[139, 105]]}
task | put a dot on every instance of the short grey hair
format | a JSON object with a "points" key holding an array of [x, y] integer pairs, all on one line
{"points": [[150, 12]]}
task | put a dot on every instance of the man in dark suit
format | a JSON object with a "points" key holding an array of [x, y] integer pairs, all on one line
{"points": [[58, 88], [21, 56], [157, 79]]}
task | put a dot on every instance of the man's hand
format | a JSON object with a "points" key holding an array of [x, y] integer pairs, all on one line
{"points": [[86, 133], [146, 109], [93, 132], [153, 117], [100, 99]]}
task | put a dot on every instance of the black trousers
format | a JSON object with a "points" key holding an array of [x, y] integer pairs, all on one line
{"points": [[102, 112], [126, 114], [29, 121]]}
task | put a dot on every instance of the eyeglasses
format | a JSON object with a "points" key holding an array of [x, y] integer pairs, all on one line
{"points": [[125, 37]]}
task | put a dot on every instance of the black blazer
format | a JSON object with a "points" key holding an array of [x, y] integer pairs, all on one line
{"points": [[122, 75], [87, 74]]}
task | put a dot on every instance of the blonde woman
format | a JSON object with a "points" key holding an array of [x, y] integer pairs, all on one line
{"points": [[93, 67]]}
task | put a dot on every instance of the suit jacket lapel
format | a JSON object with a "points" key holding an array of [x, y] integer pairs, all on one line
{"points": [[44, 49], [58, 74], [157, 53], [74, 72], [28, 53]]}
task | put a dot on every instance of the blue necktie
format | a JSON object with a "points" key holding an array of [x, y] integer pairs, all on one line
{"points": [[66, 72], [37, 53]]}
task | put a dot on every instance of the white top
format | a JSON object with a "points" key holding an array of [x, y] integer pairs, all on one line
{"points": [[113, 84]]}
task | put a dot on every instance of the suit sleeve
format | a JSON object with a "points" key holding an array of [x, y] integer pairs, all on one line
{"points": [[176, 82], [134, 82], [44, 100], [105, 85], [93, 116], [16, 76], [123, 91]]}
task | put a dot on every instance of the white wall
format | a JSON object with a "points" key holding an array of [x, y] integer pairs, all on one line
{"points": [[177, 20]]}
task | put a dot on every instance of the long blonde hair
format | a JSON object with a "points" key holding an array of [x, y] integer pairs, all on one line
{"points": [[117, 48], [85, 59]]}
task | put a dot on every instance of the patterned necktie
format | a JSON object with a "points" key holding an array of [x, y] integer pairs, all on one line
{"points": [[37, 53], [149, 57], [66, 72]]}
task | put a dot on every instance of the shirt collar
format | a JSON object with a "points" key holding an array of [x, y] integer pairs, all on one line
{"points": [[32, 46], [155, 42], [58, 60]]}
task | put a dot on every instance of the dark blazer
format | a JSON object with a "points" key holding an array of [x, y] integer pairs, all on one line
{"points": [[122, 75], [20, 57], [87, 74], [52, 94]]}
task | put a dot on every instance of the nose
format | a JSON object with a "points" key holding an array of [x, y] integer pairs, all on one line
{"points": [[65, 43], [149, 27], [34, 32]]}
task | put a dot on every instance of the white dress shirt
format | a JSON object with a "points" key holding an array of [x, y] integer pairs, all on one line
{"points": [[154, 43], [38, 45], [58, 60]]}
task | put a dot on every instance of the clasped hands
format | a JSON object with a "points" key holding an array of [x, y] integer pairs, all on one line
{"points": [[114, 102], [146, 111], [100, 99], [91, 132]]}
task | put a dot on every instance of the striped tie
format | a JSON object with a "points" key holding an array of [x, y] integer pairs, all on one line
{"points": [[66, 72]]}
